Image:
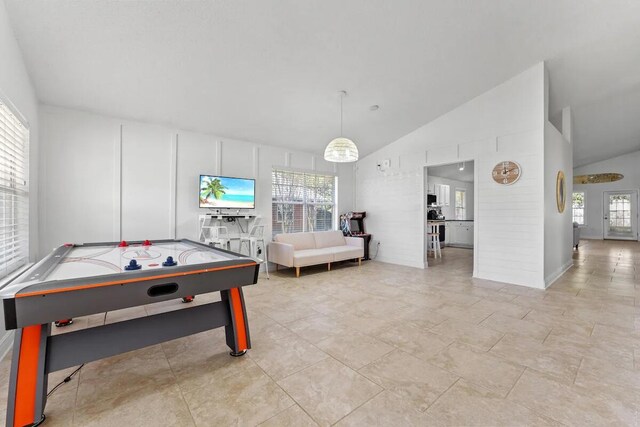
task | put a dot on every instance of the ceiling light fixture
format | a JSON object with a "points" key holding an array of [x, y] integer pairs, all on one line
{"points": [[461, 166], [341, 150]]}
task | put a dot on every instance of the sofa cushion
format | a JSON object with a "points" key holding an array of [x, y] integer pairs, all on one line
{"points": [[341, 253], [312, 257], [299, 241], [327, 239]]}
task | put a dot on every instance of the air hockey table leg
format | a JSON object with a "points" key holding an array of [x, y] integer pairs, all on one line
{"points": [[28, 378], [237, 331]]}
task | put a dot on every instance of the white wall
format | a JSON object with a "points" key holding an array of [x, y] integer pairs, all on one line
{"points": [[15, 88], [449, 212], [107, 179], [558, 227], [629, 166], [505, 123]]}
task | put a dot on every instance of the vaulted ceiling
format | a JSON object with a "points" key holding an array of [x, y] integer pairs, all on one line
{"points": [[269, 70]]}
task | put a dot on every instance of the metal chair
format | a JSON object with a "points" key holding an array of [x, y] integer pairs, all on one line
{"points": [[218, 235], [255, 236]]}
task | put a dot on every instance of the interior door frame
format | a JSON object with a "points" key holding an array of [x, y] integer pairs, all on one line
{"points": [[476, 220], [605, 194]]}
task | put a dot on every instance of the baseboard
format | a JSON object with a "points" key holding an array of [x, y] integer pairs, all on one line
{"points": [[537, 284], [6, 342], [549, 280], [406, 263], [591, 237]]}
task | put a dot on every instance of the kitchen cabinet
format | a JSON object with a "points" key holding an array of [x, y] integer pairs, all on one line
{"points": [[443, 193], [459, 233]]}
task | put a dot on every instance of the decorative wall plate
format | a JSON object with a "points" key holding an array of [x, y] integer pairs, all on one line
{"points": [[561, 192], [597, 178], [506, 172]]}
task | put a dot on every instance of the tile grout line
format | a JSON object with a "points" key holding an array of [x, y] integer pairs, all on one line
{"points": [[442, 394], [175, 377], [361, 405], [295, 402], [516, 382], [575, 378]]}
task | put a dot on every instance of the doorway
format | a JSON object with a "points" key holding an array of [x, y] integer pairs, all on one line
{"points": [[621, 215], [449, 211]]}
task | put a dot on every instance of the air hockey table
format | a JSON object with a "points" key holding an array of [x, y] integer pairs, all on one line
{"points": [[79, 280]]}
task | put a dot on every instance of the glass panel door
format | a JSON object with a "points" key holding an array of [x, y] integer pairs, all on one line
{"points": [[620, 215]]}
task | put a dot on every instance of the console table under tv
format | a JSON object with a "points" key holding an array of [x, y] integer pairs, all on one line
{"points": [[242, 224]]}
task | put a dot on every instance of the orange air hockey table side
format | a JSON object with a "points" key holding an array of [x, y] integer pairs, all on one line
{"points": [[79, 280]]}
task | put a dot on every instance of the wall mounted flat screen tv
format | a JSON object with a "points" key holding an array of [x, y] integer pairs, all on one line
{"points": [[224, 192]]}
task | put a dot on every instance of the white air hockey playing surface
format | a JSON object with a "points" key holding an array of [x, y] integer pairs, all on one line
{"points": [[101, 260], [96, 261]]}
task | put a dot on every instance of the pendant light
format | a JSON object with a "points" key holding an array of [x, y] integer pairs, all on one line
{"points": [[341, 150]]}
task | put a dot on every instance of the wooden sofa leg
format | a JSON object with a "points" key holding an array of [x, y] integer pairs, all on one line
{"points": [[359, 262], [277, 267], [297, 271], [328, 266]]}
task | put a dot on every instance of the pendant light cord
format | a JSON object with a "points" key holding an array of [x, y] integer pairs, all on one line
{"points": [[341, 98]]}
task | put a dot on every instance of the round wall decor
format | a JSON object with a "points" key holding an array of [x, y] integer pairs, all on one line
{"points": [[506, 172], [561, 191]]}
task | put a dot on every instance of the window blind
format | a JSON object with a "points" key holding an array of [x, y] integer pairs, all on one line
{"points": [[302, 201], [14, 192]]}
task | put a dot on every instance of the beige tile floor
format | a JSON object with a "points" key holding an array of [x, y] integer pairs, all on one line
{"points": [[387, 345]]}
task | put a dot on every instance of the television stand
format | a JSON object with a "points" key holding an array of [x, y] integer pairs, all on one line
{"points": [[242, 224]]}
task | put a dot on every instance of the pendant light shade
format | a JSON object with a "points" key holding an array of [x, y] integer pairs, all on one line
{"points": [[341, 150]]}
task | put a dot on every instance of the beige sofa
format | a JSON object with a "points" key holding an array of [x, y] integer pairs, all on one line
{"points": [[322, 247]]}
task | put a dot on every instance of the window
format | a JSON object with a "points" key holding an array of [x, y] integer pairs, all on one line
{"points": [[14, 192], [620, 213], [578, 207], [461, 204], [302, 201]]}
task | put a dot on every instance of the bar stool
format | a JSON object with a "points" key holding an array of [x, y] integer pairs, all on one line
{"points": [[433, 245], [255, 236]]}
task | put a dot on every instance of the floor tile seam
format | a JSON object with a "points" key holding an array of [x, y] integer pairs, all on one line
{"points": [[308, 367], [560, 326], [506, 397], [180, 390], [375, 360], [425, 410], [320, 361], [300, 318], [502, 359], [496, 343], [286, 409], [326, 354], [575, 378], [295, 402], [457, 339], [75, 399], [362, 404]]}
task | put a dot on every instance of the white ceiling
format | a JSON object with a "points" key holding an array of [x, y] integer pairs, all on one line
{"points": [[453, 171], [269, 70]]}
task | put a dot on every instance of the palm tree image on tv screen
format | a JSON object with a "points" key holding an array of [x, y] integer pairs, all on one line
{"points": [[222, 192]]}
